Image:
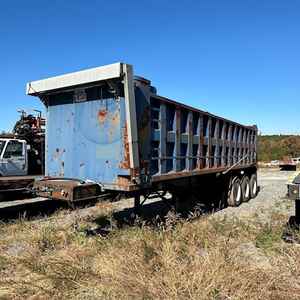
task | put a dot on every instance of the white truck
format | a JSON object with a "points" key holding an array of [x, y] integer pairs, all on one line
{"points": [[13, 157], [22, 153]]}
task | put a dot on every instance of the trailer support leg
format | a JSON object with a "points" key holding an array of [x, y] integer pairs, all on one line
{"points": [[137, 204], [297, 213]]}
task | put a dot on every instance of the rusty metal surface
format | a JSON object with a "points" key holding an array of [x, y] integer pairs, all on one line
{"points": [[16, 182], [125, 163], [68, 190], [177, 175]]}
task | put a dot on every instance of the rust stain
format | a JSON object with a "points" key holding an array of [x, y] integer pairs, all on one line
{"points": [[102, 116], [123, 181], [135, 172], [116, 119], [125, 164], [115, 123]]}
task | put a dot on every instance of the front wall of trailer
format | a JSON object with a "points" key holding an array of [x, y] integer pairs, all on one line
{"points": [[85, 140]]}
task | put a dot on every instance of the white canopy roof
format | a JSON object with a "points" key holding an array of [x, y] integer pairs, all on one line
{"points": [[73, 79]]}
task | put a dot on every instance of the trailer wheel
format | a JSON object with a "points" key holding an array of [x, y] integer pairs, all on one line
{"points": [[245, 184], [235, 193], [253, 186]]}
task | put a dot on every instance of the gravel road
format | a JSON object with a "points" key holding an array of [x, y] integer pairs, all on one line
{"points": [[271, 197]]}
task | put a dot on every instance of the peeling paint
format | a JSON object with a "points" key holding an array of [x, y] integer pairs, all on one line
{"points": [[102, 116], [125, 163]]}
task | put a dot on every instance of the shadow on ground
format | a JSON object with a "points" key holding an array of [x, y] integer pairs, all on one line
{"points": [[20, 206], [156, 213]]}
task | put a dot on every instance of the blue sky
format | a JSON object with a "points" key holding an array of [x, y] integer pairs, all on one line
{"points": [[237, 59]]}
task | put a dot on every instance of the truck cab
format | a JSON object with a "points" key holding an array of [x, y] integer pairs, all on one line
{"points": [[13, 157]]}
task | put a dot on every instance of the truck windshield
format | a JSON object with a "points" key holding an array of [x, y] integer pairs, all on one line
{"points": [[2, 144]]}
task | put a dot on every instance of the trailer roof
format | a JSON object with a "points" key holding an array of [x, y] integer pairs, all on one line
{"points": [[73, 79]]}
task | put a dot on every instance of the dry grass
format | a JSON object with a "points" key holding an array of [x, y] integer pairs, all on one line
{"points": [[204, 258]]}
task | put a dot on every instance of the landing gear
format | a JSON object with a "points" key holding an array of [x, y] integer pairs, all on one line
{"points": [[137, 204], [158, 203], [297, 212]]}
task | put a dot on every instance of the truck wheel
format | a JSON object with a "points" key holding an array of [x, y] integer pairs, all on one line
{"points": [[253, 186], [235, 193], [245, 184]]}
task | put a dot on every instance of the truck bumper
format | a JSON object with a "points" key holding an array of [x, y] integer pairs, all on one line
{"points": [[66, 189]]}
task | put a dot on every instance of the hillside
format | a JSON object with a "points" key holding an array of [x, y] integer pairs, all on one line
{"points": [[275, 147]]}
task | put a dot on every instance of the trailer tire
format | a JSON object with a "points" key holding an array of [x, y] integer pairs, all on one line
{"points": [[235, 195], [245, 184], [253, 186]]}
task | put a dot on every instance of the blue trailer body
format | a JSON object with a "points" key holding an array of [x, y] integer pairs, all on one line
{"points": [[111, 128]]}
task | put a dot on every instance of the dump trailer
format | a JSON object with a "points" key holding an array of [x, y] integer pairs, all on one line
{"points": [[110, 131]]}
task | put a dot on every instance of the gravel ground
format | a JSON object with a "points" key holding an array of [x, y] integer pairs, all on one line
{"points": [[271, 197]]}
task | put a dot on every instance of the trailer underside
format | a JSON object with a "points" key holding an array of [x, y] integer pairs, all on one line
{"points": [[218, 189]]}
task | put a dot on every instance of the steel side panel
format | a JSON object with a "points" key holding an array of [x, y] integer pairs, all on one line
{"points": [[85, 140], [182, 144]]}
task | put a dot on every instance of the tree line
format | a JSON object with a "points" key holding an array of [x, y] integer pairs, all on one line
{"points": [[275, 147]]}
